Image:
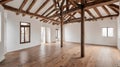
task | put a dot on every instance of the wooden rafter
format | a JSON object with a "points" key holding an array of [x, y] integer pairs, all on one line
{"points": [[48, 9], [5, 1], [106, 10], [90, 14], [97, 3], [28, 13], [31, 5], [42, 6], [73, 3], [50, 12], [55, 10], [98, 12], [22, 5], [114, 9], [67, 3], [68, 13], [71, 17], [78, 19], [88, 6]]}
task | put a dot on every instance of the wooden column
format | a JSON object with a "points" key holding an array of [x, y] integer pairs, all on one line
{"points": [[60, 6], [61, 25], [82, 28]]}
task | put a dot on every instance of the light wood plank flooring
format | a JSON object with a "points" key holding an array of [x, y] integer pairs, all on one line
{"points": [[51, 55]]}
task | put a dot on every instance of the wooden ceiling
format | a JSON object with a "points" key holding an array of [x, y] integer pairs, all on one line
{"points": [[94, 9]]}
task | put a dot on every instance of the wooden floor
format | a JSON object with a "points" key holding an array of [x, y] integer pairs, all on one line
{"points": [[51, 55]]}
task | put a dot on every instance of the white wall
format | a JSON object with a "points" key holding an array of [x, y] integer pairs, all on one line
{"points": [[118, 41], [13, 31], [92, 32], [72, 32], [2, 46]]}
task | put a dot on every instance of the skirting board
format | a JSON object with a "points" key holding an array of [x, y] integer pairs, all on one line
{"points": [[92, 44], [2, 58]]}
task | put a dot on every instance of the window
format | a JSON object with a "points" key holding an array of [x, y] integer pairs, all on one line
{"points": [[107, 32], [24, 32]]}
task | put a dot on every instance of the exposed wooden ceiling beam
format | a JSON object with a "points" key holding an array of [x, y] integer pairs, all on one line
{"points": [[73, 3], [90, 14], [97, 3], [98, 12], [5, 1], [50, 12], [114, 9], [48, 9], [55, 10], [42, 6], [67, 3], [31, 5], [79, 19], [106, 10], [28, 13], [66, 12], [88, 6], [22, 5], [116, 6]]}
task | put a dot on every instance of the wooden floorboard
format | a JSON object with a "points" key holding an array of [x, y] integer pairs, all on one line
{"points": [[52, 55]]}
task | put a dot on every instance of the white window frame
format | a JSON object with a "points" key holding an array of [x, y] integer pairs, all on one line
{"points": [[106, 32]]}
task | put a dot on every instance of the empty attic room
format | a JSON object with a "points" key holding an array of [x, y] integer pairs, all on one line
{"points": [[59, 33]]}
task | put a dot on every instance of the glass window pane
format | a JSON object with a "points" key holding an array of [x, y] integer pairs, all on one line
{"points": [[22, 34], [104, 32], [110, 32], [25, 24], [27, 34]]}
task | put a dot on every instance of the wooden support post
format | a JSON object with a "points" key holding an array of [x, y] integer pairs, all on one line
{"points": [[82, 28], [61, 24]]}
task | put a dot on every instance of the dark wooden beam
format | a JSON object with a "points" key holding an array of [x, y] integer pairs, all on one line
{"points": [[50, 12], [67, 3], [60, 5], [42, 6], [5, 1], [88, 6], [48, 9], [97, 3], [106, 10], [22, 5], [114, 9], [90, 19], [28, 13], [31, 5], [82, 28], [73, 3], [66, 12], [97, 11], [90, 13]]}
